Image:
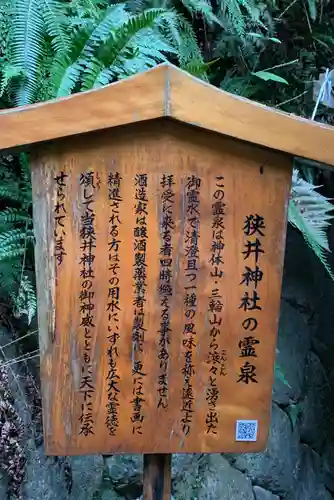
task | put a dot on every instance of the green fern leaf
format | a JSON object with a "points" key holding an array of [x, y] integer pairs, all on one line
{"points": [[203, 7], [231, 9], [10, 192], [84, 11], [9, 73], [27, 47], [53, 13], [128, 31], [309, 212], [181, 34], [130, 48], [68, 68], [10, 252], [114, 17], [13, 236], [198, 69], [65, 76], [24, 300], [238, 13], [94, 75], [11, 215]]}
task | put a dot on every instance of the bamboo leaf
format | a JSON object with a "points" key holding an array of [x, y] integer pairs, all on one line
{"points": [[267, 75]]}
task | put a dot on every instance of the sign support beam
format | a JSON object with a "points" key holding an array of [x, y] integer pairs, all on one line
{"points": [[157, 484]]}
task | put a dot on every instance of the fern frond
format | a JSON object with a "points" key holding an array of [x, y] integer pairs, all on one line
{"points": [[182, 35], [9, 192], [65, 76], [82, 10], [9, 73], [5, 23], [114, 17], [67, 69], [53, 13], [104, 77], [120, 39], [240, 85], [309, 211], [198, 69], [239, 13], [132, 47], [27, 47], [11, 215], [25, 301], [94, 75], [231, 9], [12, 242], [11, 251], [202, 7]]}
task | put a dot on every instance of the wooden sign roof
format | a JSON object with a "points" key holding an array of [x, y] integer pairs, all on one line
{"points": [[166, 91], [159, 257]]}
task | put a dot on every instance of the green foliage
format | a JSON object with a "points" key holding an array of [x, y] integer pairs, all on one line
{"points": [[118, 46], [5, 20], [267, 75], [240, 13], [51, 48], [309, 211], [53, 13], [16, 237], [57, 48], [26, 39], [24, 299]]}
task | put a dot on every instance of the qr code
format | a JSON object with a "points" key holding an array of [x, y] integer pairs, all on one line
{"points": [[246, 430]]}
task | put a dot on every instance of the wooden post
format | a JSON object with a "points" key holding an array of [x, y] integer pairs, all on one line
{"points": [[157, 476]]}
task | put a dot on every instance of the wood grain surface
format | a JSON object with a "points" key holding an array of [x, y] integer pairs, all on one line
{"points": [[167, 91], [159, 255], [157, 480]]}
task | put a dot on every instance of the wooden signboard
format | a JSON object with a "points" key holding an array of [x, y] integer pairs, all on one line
{"points": [[162, 249], [160, 209]]}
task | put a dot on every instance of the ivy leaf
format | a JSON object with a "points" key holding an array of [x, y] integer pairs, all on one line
{"points": [[267, 75]]}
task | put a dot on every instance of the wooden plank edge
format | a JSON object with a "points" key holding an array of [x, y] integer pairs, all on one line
{"points": [[200, 104], [134, 99], [167, 91]]}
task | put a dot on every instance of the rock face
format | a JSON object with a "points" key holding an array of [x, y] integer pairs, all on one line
{"points": [[317, 406], [309, 485], [262, 494], [294, 341], [211, 477], [298, 463], [276, 468]]}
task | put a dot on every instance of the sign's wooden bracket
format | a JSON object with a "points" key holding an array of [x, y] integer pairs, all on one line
{"points": [[157, 476]]}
